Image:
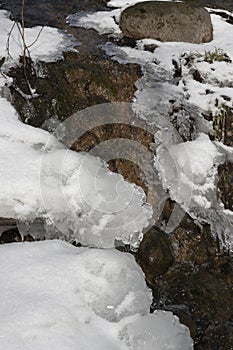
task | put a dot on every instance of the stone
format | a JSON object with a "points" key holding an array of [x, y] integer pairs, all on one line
{"points": [[198, 286], [155, 254], [10, 236], [167, 21], [225, 184], [7, 224], [70, 85]]}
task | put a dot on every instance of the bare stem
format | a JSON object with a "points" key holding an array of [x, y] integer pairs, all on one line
{"points": [[23, 35]]}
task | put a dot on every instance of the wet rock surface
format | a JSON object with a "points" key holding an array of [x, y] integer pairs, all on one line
{"points": [[197, 285], [225, 185], [167, 21]]}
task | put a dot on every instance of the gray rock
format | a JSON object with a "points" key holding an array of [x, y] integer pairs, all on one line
{"points": [[167, 21]]}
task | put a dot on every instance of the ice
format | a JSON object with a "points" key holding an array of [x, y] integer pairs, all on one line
{"points": [[75, 193], [189, 171], [55, 296], [141, 334], [194, 170]]}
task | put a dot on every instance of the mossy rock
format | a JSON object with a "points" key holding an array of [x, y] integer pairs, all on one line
{"points": [[167, 21], [70, 85]]}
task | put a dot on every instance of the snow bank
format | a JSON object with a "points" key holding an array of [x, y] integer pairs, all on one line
{"points": [[55, 296]]}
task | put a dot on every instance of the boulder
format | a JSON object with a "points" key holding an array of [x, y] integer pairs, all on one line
{"points": [[167, 21]]}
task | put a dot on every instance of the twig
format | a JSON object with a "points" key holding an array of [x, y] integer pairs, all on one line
{"points": [[8, 40], [23, 34], [37, 37]]}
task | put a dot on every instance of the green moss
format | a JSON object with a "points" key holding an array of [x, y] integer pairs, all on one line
{"points": [[211, 56], [216, 55]]}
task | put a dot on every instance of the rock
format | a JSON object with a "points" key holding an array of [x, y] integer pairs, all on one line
{"points": [[198, 285], [129, 169], [228, 132], [10, 236], [218, 337], [28, 238], [167, 21], [155, 254], [225, 184], [7, 224], [72, 84]]}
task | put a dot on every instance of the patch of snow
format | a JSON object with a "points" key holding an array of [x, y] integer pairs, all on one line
{"points": [[195, 170], [105, 22], [46, 44], [55, 296], [127, 3]]}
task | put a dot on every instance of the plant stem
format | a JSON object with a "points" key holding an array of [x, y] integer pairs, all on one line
{"points": [[23, 35]]}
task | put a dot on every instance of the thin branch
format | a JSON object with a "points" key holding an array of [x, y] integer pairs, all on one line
{"points": [[23, 35], [8, 40], [37, 37]]}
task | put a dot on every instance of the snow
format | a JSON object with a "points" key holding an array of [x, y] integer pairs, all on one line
{"points": [[218, 74], [75, 195], [103, 21], [194, 170], [188, 170], [56, 296], [45, 43], [126, 3], [74, 192]]}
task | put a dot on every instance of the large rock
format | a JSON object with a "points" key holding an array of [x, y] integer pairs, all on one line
{"points": [[72, 84], [167, 21]]}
